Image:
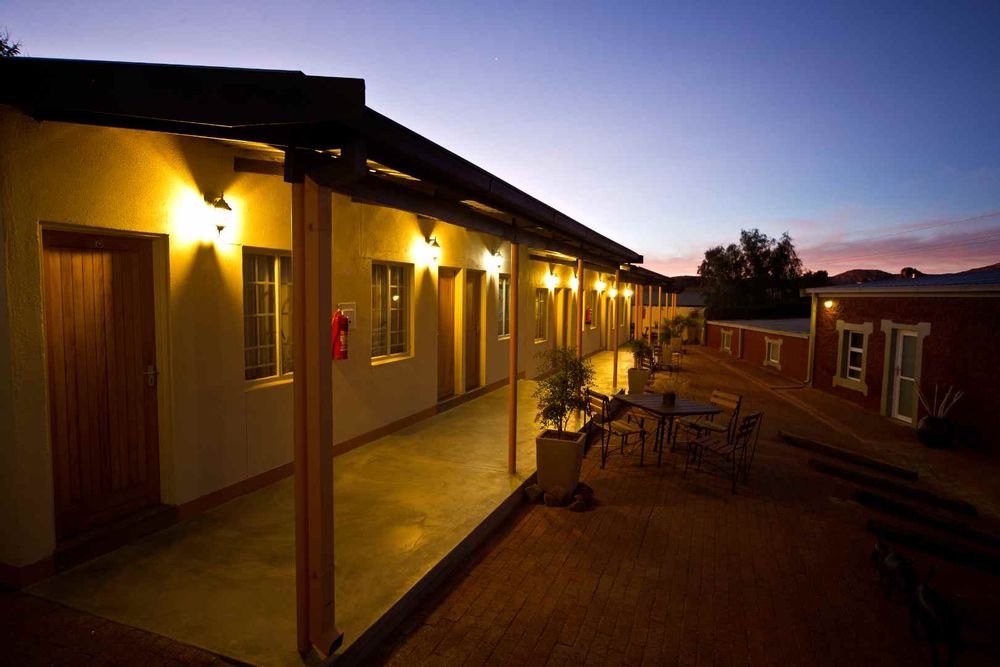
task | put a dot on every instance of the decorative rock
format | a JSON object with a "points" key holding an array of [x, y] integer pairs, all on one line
{"points": [[578, 504], [585, 491], [533, 494], [556, 497]]}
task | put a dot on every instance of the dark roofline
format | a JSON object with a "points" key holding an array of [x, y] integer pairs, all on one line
{"points": [[293, 111]]}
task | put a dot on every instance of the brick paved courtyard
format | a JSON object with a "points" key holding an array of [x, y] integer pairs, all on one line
{"points": [[673, 571]]}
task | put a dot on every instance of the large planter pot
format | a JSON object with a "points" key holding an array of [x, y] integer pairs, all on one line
{"points": [[935, 431], [637, 380], [558, 457]]}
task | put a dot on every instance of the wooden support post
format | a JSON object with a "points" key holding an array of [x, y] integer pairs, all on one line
{"points": [[659, 310], [649, 311], [313, 415], [579, 303], [614, 345], [512, 360]]}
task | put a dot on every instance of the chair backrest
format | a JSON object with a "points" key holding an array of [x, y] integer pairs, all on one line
{"points": [[730, 404], [597, 406], [746, 438]]}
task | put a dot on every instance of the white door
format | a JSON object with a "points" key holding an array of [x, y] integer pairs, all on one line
{"points": [[904, 386]]}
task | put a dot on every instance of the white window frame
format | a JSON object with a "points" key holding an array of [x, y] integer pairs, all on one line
{"points": [[406, 318], [723, 345], [772, 344], [282, 338], [541, 322], [503, 306], [841, 377]]}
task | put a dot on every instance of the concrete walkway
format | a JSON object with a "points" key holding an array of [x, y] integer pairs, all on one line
{"points": [[224, 580]]}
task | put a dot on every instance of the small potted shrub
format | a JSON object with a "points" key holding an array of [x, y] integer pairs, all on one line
{"points": [[935, 429], [560, 392], [638, 376]]}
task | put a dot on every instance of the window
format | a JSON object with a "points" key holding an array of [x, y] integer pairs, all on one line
{"points": [[851, 352], [727, 340], [267, 315], [541, 313], [772, 352], [622, 306], [503, 306], [853, 358], [390, 309]]}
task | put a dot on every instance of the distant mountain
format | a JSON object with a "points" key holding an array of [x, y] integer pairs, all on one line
{"points": [[855, 276], [991, 267]]}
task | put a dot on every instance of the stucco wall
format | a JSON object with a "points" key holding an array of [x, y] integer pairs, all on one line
{"points": [[959, 351]]}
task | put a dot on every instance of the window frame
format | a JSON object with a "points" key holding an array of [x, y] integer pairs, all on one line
{"points": [[775, 344], [723, 345], [841, 375], [279, 286], [542, 323], [503, 305], [406, 317]]}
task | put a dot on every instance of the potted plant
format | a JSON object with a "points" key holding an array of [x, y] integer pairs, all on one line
{"points": [[935, 429], [560, 392], [637, 375]]}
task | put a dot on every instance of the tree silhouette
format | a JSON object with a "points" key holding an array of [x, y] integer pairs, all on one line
{"points": [[8, 47]]}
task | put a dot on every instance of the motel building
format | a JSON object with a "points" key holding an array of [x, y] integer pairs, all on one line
{"points": [[181, 248]]}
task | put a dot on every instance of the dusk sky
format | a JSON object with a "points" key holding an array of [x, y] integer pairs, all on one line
{"points": [[869, 131]]}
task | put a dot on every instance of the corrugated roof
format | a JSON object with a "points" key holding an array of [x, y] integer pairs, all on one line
{"points": [[796, 325]]}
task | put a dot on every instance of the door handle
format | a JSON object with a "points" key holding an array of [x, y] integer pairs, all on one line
{"points": [[150, 374]]}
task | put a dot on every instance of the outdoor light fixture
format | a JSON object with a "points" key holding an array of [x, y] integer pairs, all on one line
{"points": [[433, 249], [613, 293], [627, 293], [221, 211], [497, 260], [574, 282], [828, 303], [551, 280], [600, 285]]}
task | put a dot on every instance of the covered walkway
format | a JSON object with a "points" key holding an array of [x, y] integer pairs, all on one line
{"points": [[225, 580]]}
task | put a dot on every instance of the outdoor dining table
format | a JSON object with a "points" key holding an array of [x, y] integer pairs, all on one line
{"points": [[666, 412]]}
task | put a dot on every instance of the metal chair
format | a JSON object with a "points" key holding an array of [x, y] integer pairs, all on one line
{"points": [[605, 414], [722, 423], [733, 455]]}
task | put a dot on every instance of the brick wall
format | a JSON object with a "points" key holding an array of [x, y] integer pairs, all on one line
{"points": [[794, 349], [962, 350]]}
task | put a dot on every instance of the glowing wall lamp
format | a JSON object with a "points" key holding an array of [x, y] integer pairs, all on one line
{"points": [[574, 282], [551, 280], [600, 285], [627, 293], [828, 303], [221, 211], [497, 261], [433, 249], [613, 293]]}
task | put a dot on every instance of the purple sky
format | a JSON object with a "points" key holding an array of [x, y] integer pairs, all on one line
{"points": [[869, 131]]}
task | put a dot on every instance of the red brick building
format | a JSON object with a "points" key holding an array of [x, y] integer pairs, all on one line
{"points": [[779, 344], [876, 342]]}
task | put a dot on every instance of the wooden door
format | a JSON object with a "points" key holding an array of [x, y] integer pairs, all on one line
{"points": [[101, 348], [446, 333], [473, 327]]}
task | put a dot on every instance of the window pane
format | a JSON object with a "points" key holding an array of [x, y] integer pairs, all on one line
{"points": [[541, 313], [857, 339], [503, 306], [379, 298], [854, 359], [258, 316]]}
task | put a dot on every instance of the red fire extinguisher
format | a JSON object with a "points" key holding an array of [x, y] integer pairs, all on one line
{"points": [[338, 334]]}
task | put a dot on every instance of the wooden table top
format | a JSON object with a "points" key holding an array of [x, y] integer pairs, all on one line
{"points": [[681, 407]]}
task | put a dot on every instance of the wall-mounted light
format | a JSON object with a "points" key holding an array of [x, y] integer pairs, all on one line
{"points": [[613, 293], [221, 211], [497, 261], [433, 249], [551, 280], [828, 303], [627, 293], [600, 285], [574, 282]]}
